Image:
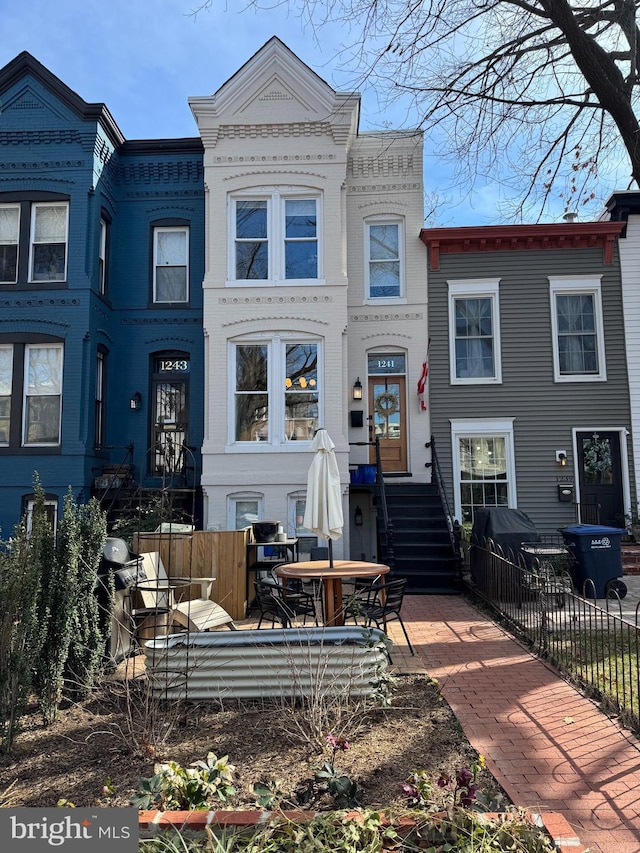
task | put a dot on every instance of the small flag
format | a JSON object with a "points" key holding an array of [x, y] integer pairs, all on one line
{"points": [[422, 382]]}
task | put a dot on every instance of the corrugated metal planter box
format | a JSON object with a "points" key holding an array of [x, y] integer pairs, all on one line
{"points": [[255, 664]]}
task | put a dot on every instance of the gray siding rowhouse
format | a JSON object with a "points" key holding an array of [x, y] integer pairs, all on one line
{"points": [[545, 412]]}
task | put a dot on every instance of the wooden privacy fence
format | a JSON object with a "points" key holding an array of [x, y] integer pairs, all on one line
{"points": [[204, 553]]}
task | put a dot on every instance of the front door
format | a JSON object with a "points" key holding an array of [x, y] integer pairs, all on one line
{"points": [[600, 475], [387, 407]]}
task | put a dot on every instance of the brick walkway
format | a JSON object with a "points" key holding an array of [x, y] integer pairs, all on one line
{"points": [[547, 745]]}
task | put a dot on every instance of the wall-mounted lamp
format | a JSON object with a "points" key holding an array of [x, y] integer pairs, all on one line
{"points": [[357, 517], [561, 457], [135, 402], [357, 389]]}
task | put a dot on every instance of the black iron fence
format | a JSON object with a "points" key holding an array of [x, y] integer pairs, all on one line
{"points": [[593, 643]]}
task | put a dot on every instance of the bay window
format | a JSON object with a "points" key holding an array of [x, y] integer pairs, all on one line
{"points": [[276, 391], [275, 237]]}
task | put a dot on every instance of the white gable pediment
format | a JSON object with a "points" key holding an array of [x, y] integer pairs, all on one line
{"points": [[275, 87]]}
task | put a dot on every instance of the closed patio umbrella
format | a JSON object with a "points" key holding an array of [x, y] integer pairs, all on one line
{"points": [[323, 512]]}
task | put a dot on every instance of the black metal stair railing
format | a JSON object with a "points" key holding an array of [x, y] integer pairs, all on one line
{"points": [[119, 477], [453, 525], [384, 523]]}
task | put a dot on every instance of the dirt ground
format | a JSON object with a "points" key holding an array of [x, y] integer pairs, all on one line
{"points": [[99, 749]]}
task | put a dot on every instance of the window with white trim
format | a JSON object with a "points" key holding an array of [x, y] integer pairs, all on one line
{"points": [[6, 384], [9, 242], [474, 332], [385, 264], [48, 241], [42, 402], [484, 468], [577, 329], [99, 403], [275, 237], [171, 264], [276, 390], [243, 509], [102, 254], [50, 512]]}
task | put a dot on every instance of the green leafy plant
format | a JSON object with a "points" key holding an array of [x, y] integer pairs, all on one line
{"points": [[462, 787], [195, 787], [327, 780]]}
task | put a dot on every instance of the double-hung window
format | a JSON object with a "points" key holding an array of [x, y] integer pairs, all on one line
{"points": [[171, 264], [9, 241], [276, 237], [6, 385], [99, 403], [276, 391], [102, 254], [30, 394], [384, 259], [42, 405], [48, 254], [33, 238], [576, 324], [484, 468], [474, 332]]}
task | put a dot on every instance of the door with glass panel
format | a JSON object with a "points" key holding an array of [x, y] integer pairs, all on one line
{"points": [[387, 407], [170, 415]]}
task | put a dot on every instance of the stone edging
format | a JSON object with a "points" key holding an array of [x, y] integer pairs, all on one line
{"points": [[151, 822]]}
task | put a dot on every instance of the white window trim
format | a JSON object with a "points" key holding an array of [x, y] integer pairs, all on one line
{"points": [[578, 284], [27, 349], [34, 206], [468, 428], [102, 254], [238, 497], [475, 289], [10, 349], [276, 403], [47, 503], [275, 235], [166, 229], [402, 296], [17, 207]]}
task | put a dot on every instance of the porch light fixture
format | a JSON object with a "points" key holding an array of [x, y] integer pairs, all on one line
{"points": [[357, 389], [357, 517], [135, 402], [561, 457]]}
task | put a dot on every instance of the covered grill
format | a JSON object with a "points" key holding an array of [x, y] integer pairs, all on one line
{"points": [[126, 570]]}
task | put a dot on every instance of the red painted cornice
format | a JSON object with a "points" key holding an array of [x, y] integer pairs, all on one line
{"points": [[503, 238]]}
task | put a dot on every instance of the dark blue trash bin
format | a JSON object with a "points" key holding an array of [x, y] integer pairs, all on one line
{"points": [[596, 557]]}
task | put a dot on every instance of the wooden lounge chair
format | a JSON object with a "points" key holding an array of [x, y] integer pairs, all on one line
{"points": [[159, 591]]}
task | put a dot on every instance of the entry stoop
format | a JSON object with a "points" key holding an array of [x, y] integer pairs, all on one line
{"points": [[422, 549], [630, 558]]}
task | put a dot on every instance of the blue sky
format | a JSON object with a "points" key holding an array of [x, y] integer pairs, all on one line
{"points": [[145, 58]]}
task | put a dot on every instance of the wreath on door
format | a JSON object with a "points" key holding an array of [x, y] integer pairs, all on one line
{"points": [[386, 404]]}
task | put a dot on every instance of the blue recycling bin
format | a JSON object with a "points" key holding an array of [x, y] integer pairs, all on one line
{"points": [[596, 557]]}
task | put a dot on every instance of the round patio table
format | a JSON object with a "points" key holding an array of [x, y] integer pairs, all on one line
{"points": [[331, 577]]}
